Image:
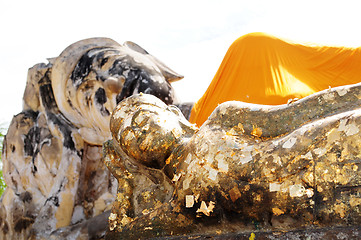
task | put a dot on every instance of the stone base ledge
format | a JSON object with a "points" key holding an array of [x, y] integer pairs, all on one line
{"points": [[342, 233]]}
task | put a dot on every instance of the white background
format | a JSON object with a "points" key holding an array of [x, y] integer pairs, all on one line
{"points": [[190, 36]]}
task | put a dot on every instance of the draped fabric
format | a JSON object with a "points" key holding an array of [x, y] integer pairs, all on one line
{"points": [[263, 69]]}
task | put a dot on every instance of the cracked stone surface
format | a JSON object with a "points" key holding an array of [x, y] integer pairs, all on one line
{"points": [[248, 168], [57, 185]]}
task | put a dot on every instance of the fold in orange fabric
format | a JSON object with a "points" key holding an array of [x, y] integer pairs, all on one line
{"points": [[259, 68]]}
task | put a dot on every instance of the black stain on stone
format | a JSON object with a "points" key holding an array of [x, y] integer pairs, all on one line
{"points": [[118, 68], [5, 228], [101, 59], [26, 197], [129, 86], [64, 128], [100, 99], [54, 200], [35, 169], [136, 80], [28, 115], [139, 81], [104, 61], [100, 96], [46, 92], [23, 223], [82, 69], [53, 113], [15, 183], [163, 91], [30, 140], [33, 142]]}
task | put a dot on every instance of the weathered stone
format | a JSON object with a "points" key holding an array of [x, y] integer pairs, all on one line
{"points": [[339, 233], [249, 167], [57, 185]]}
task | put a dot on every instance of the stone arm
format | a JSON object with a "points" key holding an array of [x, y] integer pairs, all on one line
{"points": [[272, 121]]}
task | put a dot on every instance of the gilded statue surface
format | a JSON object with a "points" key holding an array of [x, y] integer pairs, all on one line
{"points": [[248, 167]]}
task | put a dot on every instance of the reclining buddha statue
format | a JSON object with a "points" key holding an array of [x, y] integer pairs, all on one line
{"points": [[249, 167]]}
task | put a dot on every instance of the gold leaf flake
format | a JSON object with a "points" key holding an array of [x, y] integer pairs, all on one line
{"points": [[204, 209], [176, 177], [186, 182], [113, 225], [240, 127], [355, 167], [196, 197], [342, 91], [212, 174], [145, 211], [274, 187], [257, 132], [296, 190], [333, 136], [354, 201], [234, 193], [252, 237], [340, 209], [351, 129], [276, 211], [222, 165], [309, 192], [112, 216], [292, 100], [125, 220], [307, 156], [328, 96], [189, 201], [320, 151]]}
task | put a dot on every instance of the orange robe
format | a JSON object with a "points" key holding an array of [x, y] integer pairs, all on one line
{"points": [[262, 69]]}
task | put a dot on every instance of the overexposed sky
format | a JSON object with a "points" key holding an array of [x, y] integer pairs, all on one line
{"points": [[190, 36]]}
